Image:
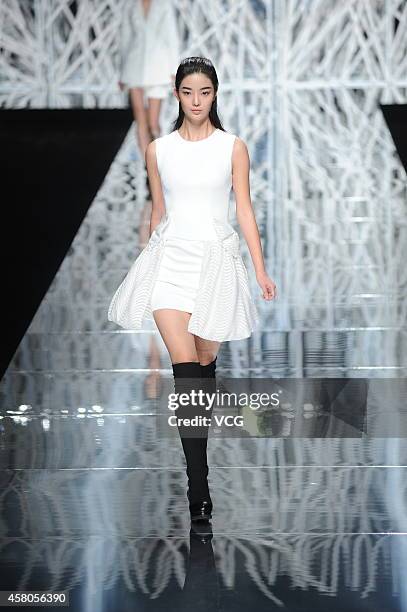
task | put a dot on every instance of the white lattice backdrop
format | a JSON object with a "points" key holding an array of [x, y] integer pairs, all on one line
{"points": [[300, 83]]}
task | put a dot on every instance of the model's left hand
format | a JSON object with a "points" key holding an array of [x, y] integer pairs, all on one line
{"points": [[268, 286]]}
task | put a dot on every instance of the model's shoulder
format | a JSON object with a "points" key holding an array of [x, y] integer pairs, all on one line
{"points": [[232, 137], [157, 147], [226, 134], [239, 145], [169, 135], [157, 142], [164, 138]]}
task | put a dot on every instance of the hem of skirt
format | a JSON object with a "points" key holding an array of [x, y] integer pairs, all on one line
{"points": [[228, 338], [172, 308]]}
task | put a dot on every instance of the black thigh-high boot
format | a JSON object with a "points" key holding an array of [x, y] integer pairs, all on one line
{"points": [[209, 370], [208, 373], [187, 377]]}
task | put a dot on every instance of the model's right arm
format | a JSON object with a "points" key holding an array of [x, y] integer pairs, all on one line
{"points": [[157, 196]]}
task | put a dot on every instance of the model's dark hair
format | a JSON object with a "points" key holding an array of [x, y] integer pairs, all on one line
{"points": [[190, 65]]}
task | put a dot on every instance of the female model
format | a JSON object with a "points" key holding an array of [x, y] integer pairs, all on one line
{"points": [[149, 58], [190, 277]]}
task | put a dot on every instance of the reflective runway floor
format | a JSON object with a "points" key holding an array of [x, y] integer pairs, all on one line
{"points": [[93, 498]]}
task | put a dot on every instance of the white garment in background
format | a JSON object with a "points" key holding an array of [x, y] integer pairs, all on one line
{"points": [[192, 261], [150, 46]]}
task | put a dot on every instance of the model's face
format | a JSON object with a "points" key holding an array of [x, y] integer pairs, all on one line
{"points": [[196, 93]]}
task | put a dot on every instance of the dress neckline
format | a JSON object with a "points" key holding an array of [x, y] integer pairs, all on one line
{"points": [[195, 141]]}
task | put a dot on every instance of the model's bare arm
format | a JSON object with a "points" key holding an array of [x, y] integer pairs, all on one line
{"points": [[157, 197], [245, 215]]}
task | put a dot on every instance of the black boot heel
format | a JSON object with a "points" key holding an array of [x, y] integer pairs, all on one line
{"points": [[200, 511]]}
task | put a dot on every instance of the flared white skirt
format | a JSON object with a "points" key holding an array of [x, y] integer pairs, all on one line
{"points": [[204, 277]]}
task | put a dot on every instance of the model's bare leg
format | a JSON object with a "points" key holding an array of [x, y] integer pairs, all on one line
{"points": [[153, 116], [173, 327], [140, 117]]}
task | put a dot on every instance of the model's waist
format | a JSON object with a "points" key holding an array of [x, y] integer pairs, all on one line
{"points": [[190, 229], [203, 230], [179, 239]]}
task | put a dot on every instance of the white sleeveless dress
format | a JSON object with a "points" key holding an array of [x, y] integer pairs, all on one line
{"points": [[192, 261], [196, 182]]}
